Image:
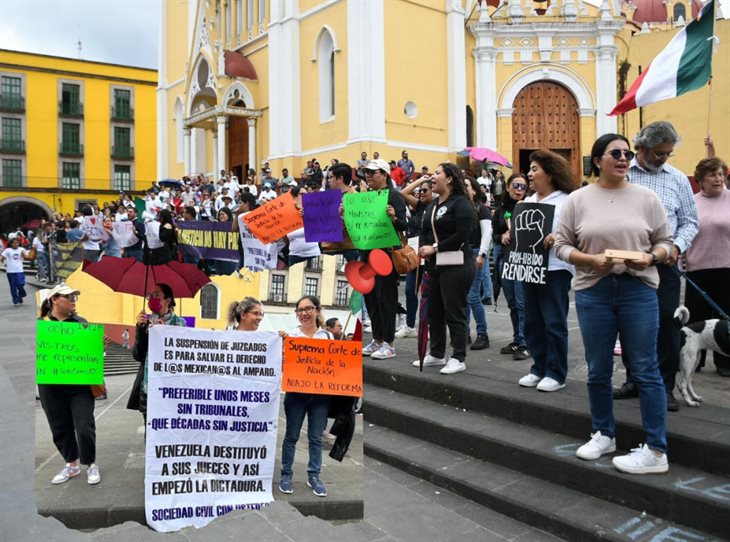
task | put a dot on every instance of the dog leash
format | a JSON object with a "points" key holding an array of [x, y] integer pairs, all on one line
{"points": [[703, 294]]}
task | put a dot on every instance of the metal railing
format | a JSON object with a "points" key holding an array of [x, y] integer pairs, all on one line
{"points": [[70, 148], [12, 104], [71, 109], [12, 146], [122, 152], [124, 113]]}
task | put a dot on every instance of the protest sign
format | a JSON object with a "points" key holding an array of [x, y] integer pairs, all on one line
{"points": [[322, 221], [527, 259], [367, 222], [68, 257], [212, 416], [206, 239], [256, 255], [69, 353], [275, 219], [93, 229], [124, 233], [322, 366]]}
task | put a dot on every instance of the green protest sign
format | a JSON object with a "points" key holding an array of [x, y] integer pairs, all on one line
{"points": [[69, 353], [367, 223]]}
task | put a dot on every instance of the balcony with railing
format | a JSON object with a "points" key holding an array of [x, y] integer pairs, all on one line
{"points": [[70, 109], [122, 113], [12, 104], [122, 152], [12, 146], [71, 148]]}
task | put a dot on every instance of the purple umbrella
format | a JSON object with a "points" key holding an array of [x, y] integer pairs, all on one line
{"points": [[483, 154]]}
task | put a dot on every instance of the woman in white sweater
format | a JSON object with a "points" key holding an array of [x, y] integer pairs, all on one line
{"points": [[618, 297]]}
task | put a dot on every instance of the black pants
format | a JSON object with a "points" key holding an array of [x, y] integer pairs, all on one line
{"points": [[382, 305], [668, 336], [70, 413], [447, 307], [716, 284]]}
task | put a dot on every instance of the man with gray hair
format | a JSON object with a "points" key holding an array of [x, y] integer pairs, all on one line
{"points": [[654, 145]]}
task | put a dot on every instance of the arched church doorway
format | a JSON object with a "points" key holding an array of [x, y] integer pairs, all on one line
{"points": [[546, 117], [22, 211], [238, 160]]}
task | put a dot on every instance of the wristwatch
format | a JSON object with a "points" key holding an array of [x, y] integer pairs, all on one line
{"points": [[435, 247]]}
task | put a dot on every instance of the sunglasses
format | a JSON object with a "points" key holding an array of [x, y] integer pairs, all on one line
{"points": [[306, 310], [661, 154], [259, 314], [71, 297], [519, 186], [616, 154]]}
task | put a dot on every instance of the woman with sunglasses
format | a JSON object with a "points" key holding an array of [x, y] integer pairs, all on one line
{"points": [[618, 297], [501, 223], [161, 303], [298, 405], [69, 408]]}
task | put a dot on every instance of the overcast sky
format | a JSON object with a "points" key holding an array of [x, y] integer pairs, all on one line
{"points": [[117, 31]]}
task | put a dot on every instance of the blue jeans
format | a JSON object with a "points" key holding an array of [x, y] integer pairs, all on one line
{"points": [[412, 284], [474, 300], [487, 291], [546, 324], [316, 407], [623, 304], [515, 301], [17, 286]]}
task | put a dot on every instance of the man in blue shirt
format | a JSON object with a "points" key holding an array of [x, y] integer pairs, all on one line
{"points": [[649, 168]]}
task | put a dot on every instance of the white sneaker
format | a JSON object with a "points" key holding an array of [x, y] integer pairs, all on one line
{"points": [[596, 447], [401, 322], [367, 326], [92, 474], [430, 361], [384, 352], [453, 366], [642, 460], [370, 348], [549, 384], [529, 381], [406, 331], [68, 472]]}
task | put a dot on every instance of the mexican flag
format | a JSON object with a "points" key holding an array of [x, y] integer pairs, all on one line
{"points": [[683, 65]]}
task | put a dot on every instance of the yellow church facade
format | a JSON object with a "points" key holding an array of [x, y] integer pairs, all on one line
{"points": [[244, 82], [73, 132]]}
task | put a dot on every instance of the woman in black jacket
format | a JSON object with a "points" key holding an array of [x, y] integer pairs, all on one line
{"points": [[516, 189], [453, 217]]}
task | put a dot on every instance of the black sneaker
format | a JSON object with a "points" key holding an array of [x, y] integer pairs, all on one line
{"points": [[672, 404], [487, 301], [481, 343], [521, 353], [511, 348]]}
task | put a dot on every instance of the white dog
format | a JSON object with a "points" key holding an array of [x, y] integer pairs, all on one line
{"points": [[704, 335]]}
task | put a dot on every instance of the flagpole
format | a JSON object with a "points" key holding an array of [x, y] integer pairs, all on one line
{"points": [[709, 107]]}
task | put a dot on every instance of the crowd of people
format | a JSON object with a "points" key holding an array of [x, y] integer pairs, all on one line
{"points": [[637, 202]]}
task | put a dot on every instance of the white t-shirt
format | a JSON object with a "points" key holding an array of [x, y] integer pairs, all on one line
{"points": [[38, 245], [299, 247], [267, 195], [14, 259]]}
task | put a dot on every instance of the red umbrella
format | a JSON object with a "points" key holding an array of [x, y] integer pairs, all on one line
{"points": [[129, 276]]}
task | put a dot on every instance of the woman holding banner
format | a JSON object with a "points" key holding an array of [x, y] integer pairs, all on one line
{"points": [[297, 405], [382, 301], [245, 315], [69, 408], [161, 303], [618, 297], [546, 305]]}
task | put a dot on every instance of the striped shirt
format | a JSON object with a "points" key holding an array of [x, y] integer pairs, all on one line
{"points": [[675, 193]]}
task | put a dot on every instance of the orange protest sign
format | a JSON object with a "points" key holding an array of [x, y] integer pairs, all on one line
{"points": [[322, 366], [275, 219]]}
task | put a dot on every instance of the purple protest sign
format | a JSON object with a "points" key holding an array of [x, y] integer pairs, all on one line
{"points": [[322, 221], [211, 240]]}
